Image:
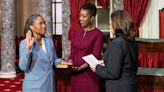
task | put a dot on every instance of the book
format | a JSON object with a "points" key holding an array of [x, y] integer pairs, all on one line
{"points": [[61, 66], [91, 60]]}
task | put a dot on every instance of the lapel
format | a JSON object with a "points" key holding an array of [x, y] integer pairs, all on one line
{"points": [[48, 47], [49, 50], [40, 51]]}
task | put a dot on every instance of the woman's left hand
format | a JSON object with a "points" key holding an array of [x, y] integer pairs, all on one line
{"points": [[29, 40], [93, 68], [76, 69]]}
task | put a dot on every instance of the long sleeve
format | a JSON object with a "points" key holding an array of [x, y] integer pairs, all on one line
{"points": [[71, 56], [24, 56], [98, 46], [56, 59], [113, 62]]}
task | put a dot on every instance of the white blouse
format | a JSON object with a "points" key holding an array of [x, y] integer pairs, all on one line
{"points": [[43, 46]]}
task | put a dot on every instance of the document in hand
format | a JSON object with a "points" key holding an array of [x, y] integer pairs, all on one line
{"points": [[91, 59]]}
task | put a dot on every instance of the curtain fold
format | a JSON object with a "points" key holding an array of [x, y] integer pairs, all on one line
{"points": [[136, 8], [151, 59], [75, 6], [104, 3], [161, 17]]}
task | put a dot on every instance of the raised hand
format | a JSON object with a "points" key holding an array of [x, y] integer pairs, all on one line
{"points": [[29, 40]]}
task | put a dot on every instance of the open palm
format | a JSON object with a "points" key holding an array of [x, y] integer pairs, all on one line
{"points": [[29, 39]]}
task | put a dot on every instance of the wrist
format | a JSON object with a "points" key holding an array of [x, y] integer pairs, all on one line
{"points": [[79, 69], [28, 47], [70, 60]]}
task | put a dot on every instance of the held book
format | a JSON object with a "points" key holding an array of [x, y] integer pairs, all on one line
{"points": [[91, 60], [61, 66]]}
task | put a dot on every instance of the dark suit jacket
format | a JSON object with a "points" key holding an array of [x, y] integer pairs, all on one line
{"points": [[120, 69]]}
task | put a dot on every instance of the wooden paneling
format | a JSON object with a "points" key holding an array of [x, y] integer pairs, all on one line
{"points": [[150, 44], [150, 81]]}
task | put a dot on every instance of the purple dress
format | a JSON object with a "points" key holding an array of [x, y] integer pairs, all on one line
{"points": [[85, 43]]}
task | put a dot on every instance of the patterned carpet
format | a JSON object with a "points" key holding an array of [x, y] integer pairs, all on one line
{"points": [[15, 84], [12, 84]]}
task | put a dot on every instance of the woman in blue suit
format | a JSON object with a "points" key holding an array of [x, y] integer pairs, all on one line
{"points": [[37, 56]]}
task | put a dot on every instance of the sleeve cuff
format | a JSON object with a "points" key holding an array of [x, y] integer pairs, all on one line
{"points": [[57, 61]]}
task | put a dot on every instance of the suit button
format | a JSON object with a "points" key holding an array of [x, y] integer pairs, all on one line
{"points": [[50, 58]]}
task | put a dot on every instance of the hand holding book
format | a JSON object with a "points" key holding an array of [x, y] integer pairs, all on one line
{"points": [[92, 61]]}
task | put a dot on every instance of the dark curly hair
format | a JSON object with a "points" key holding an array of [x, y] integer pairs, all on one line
{"points": [[91, 8]]}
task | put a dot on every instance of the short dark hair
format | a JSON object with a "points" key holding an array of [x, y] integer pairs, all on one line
{"points": [[122, 24], [91, 8], [30, 21]]}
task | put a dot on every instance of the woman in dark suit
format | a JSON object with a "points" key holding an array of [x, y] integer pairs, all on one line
{"points": [[119, 65]]}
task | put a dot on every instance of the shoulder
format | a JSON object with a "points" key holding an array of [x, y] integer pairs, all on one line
{"points": [[98, 31], [119, 39], [48, 39], [118, 42], [77, 30]]}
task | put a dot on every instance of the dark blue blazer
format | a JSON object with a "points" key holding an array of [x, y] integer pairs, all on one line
{"points": [[120, 58]]}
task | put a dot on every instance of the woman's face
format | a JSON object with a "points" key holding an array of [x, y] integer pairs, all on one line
{"points": [[85, 18], [39, 26], [111, 27]]}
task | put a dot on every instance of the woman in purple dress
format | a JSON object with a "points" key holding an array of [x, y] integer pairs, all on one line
{"points": [[88, 40]]}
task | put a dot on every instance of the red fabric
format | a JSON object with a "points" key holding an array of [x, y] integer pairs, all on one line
{"points": [[81, 46], [75, 6], [152, 89], [136, 8], [151, 59], [62, 86], [104, 3], [161, 15]]}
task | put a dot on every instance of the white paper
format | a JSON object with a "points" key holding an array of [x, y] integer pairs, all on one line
{"points": [[91, 60]]}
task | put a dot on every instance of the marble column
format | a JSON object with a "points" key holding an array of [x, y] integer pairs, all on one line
{"points": [[44, 7], [65, 26], [0, 31], [0, 17], [8, 39]]}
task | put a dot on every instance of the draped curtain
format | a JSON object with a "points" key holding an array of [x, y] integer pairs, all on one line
{"points": [[104, 3], [75, 6], [150, 26], [144, 89], [136, 8]]}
